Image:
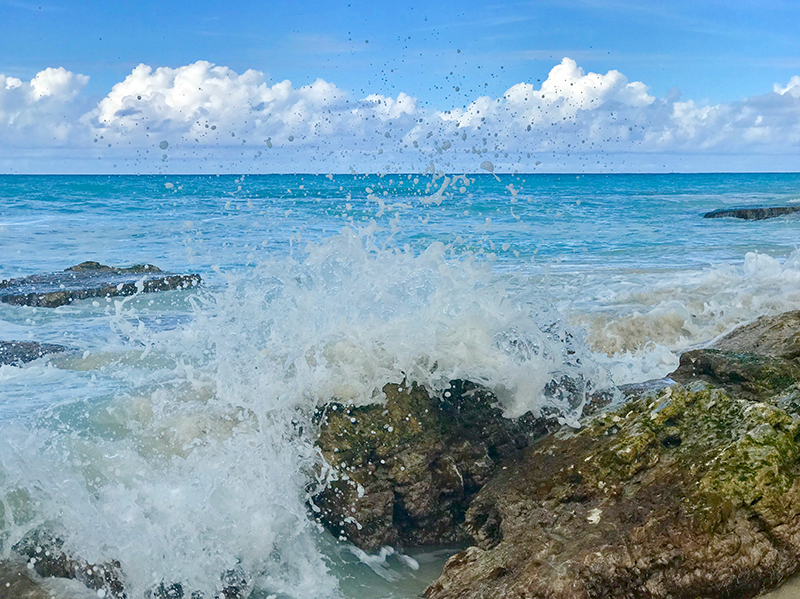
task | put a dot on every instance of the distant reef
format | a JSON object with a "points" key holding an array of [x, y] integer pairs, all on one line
{"points": [[754, 213]]}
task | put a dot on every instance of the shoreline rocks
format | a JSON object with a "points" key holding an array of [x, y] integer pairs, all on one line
{"points": [[90, 280], [683, 492], [754, 213]]}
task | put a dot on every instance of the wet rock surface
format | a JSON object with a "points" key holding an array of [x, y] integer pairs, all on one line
{"points": [[45, 555], [404, 472], [16, 583], [17, 353], [685, 491], [754, 213], [89, 280]]}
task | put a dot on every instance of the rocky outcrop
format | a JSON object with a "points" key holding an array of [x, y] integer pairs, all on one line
{"points": [[773, 336], [88, 280], [755, 213], [17, 353], [691, 493], [684, 492], [404, 472]]}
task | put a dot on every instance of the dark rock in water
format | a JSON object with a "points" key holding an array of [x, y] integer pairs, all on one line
{"points": [[406, 471], [90, 279], [17, 353], [753, 213], [46, 556], [16, 584], [691, 494]]}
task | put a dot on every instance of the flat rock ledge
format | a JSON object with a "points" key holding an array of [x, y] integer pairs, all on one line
{"points": [[17, 353], [754, 213], [88, 280], [685, 492]]}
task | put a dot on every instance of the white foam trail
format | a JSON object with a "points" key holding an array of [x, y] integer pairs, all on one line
{"points": [[645, 320]]}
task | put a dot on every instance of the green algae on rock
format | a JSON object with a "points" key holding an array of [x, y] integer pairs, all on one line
{"points": [[403, 473], [745, 374], [692, 494]]}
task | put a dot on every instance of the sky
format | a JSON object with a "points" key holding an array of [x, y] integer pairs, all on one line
{"points": [[365, 86]]}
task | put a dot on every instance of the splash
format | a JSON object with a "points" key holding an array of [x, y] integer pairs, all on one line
{"points": [[197, 461]]}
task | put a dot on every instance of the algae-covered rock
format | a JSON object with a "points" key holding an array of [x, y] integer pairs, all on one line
{"points": [[691, 494], [747, 374], [405, 471]]}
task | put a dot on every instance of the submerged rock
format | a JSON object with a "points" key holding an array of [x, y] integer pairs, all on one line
{"points": [[16, 353], [90, 279], [755, 213], [404, 472], [694, 494]]}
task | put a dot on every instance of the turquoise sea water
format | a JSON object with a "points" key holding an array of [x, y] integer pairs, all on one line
{"points": [[168, 438]]}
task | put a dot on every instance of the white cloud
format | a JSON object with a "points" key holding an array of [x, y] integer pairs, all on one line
{"points": [[205, 109], [40, 110]]}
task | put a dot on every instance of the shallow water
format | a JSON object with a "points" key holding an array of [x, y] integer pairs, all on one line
{"points": [[175, 437]]}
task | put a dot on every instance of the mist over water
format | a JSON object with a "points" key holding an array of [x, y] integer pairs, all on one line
{"points": [[178, 438]]}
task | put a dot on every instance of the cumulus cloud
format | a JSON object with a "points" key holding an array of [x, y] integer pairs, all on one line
{"points": [[575, 115], [41, 109], [206, 104]]}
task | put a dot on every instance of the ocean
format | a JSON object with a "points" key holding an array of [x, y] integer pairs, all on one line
{"points": [[176, 436]]}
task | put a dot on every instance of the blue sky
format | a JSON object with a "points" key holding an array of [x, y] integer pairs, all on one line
{"points": [[443, 54]]}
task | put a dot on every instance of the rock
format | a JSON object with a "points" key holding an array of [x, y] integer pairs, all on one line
{"points": [[693, 494], [90, 279], [15, 583], [775, 336], [405, 472], [755, 213], [17, 353], [46, 556], [749, 375], [757, 360]]}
